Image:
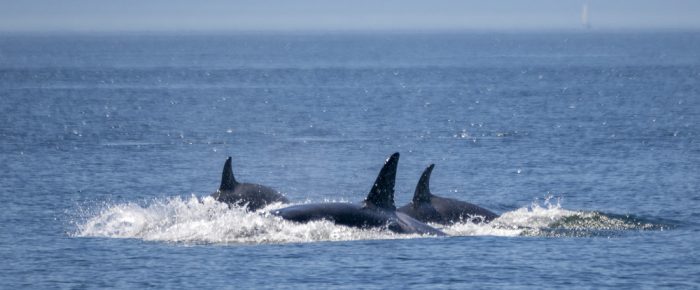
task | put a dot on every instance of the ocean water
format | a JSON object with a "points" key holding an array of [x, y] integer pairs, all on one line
{"points": [[586, 144]]}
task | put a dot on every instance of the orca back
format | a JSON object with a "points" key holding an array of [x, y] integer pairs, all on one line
{"points": [[252, 196], [427, 207]]}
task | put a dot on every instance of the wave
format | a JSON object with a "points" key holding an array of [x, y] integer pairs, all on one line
{"points": [[197, 220]]}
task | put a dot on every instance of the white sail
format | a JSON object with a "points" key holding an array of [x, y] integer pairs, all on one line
{"points": [[584, 16]]}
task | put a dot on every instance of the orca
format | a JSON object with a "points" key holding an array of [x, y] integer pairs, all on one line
{"points": [[376, 211], [252, 196], [430, 208]]}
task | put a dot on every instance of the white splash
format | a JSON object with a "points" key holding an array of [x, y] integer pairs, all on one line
{"points": [[205, 220], [516, 222]]}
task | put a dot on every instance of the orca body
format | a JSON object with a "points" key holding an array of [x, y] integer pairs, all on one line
{"points": [[430, 208], [252, 196], [376, 211]]}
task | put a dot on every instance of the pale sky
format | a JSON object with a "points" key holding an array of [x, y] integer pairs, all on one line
{"points": [[220, 15]]}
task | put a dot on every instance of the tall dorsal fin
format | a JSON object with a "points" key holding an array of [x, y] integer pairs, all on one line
{"points": [[382, 193], [422, 194], [228, 182]]}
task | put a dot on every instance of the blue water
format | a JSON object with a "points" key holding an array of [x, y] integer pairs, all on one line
{"points": [[585, 143]]}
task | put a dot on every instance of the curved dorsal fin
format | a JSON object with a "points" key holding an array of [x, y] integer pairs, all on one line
{"points": [[422, 194], [382, 193], [228, 182]]}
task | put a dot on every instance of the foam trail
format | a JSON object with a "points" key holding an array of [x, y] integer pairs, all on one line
{"points": [[551, 220]]}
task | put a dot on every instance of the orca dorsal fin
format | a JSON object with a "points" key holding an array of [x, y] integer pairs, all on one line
{"points": [[228, 182], [422, 194], [382, 193]]}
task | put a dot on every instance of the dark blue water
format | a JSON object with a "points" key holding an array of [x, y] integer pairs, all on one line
{"points": [[587, 144]]}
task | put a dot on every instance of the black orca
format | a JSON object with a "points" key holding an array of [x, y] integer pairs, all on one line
{"points": [[252, 196], [376, 211], [430, 208]]}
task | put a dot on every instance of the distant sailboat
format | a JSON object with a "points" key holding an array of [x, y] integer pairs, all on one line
{"points": [[584, 16]]}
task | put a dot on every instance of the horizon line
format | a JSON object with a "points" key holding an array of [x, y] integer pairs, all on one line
{"points": [[582, 30]]}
